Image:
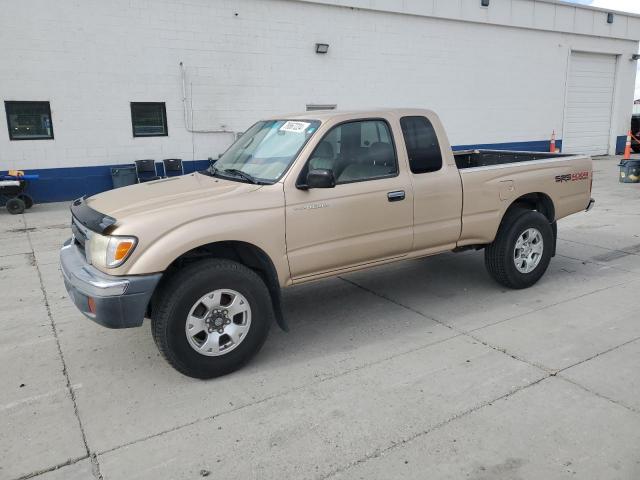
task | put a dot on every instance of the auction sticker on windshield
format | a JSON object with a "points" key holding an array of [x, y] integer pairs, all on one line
{"points": [[294, 127]]}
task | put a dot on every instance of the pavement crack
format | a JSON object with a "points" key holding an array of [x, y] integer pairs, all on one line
{"points": [[545, 307], [400, 443], [22, 230], [406, 307], [279, 394], [598, 394], [458, 333], [16, 254], [548, 371], [599, 354], [95, 467], [455, 329], [470, 333], [58, 466], [54, 330]]}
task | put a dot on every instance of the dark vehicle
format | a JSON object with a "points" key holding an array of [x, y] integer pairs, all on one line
{"points": [[635, 129]]}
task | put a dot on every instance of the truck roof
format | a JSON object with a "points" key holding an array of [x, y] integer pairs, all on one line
{"points": [[324, 115]]}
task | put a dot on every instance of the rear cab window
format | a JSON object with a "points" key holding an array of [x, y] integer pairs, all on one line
{"points": [[422, 144]]}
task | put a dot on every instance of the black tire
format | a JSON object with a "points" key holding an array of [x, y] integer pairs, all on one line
{"points": [[635, 148], [15, 206], [26, 198], [177, 296], [499, 255]]}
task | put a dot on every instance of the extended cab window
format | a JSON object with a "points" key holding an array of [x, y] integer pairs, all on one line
{"points": [[356, 151], [422, 144]]}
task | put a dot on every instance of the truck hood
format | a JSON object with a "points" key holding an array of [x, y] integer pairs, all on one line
{"points": [[148, 197]]}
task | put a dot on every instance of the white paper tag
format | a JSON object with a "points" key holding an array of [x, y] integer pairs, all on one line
{"points": [[294, 127]]}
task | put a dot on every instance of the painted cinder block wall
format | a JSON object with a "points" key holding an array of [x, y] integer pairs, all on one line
{"points": [[495, 75]]}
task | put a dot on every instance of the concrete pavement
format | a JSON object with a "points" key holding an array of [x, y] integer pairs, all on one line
{"points": [[421, 369]]}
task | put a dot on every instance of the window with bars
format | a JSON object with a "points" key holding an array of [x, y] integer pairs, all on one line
{"points": [[149, 119], [29, 120]]}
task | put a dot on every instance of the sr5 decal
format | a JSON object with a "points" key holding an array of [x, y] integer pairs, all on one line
{"points": [[572, 177]]}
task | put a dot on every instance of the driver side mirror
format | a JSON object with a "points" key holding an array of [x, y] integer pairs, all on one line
{"points": [[321, 178]]}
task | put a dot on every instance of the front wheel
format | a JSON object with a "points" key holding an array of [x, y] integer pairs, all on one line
{"points": [[211, 317], [15, 206], [522, 250]]}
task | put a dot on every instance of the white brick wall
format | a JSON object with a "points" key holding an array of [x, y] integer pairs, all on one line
{"points": [[247, 59]]}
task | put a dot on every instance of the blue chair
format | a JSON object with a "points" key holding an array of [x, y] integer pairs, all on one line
{"points": [[146, 170], [173, 167]]}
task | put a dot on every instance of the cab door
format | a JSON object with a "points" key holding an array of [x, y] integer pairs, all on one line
{"points": [[436, 182], [366, 217]]}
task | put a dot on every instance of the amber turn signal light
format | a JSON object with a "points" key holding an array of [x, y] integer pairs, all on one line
{"points": [[91, 303], [122, 250]]}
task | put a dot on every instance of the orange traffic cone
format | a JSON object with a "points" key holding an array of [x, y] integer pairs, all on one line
{"points": [[552, 147], [627, 148]]}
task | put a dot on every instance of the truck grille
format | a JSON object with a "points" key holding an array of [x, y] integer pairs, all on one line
{"points": [[80, 234]]}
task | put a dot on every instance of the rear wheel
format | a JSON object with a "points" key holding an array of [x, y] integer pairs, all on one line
{"points": [[211, 317], [636, 148], [26, 198], [522, 250], [15, 206]]}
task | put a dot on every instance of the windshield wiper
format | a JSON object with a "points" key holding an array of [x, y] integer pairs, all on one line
{"points": [[211, 170], [244, 175]]}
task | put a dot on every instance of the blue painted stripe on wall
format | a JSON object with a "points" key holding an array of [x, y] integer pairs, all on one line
{"points": [[61, 184], [534, 146]]}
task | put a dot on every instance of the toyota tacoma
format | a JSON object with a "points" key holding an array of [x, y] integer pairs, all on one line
{"points": [[298, 198]]}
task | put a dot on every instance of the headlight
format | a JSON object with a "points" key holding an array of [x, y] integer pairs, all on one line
{"points": [[109, 251]]}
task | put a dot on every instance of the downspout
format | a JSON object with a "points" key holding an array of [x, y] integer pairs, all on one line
{"points": [[189, 124]]}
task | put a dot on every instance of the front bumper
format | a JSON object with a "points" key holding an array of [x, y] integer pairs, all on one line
{"points": [[118, 302]]}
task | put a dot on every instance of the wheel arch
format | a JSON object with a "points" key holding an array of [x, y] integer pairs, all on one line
{"points": [[539, 202], [245, 253]]}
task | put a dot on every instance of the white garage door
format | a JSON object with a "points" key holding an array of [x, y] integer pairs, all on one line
{"points": [[587, 121]]}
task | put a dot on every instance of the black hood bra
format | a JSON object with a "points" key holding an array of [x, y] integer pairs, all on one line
{"points": [[90, 218]]}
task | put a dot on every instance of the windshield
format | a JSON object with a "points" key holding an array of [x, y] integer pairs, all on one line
{"points": [[266, 150]]}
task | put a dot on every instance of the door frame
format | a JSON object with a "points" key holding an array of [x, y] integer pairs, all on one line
{"points": [[290, 180]]}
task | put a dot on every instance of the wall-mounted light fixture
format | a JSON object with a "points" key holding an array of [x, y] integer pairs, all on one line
{"points": [[322, 48], [484, 3], [609, 17], [635, 56]]}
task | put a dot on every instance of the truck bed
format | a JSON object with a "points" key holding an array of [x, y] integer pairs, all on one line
{"points": [[484, 158], [493, 179]]}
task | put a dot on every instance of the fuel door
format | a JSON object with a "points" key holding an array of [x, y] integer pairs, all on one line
{"points": [[507, 189]]}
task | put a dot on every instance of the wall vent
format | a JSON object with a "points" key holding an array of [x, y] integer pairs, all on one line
{"points": [[312, 107]]}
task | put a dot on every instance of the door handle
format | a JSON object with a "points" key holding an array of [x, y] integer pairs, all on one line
{"points": [[396, 196]]}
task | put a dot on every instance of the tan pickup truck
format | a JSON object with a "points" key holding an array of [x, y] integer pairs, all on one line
{"points": [[298, 198]]}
